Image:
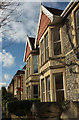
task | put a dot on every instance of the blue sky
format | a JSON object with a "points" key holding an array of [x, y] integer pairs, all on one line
{"points": [[13, 53]]}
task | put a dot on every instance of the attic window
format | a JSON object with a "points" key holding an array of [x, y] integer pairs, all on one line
{"points": [[77, 24], [56, 41]]}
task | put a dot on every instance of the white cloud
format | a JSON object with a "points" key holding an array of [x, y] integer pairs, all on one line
{"points": [[6, 77], [7, 59], [3, 84], [29, 17]]}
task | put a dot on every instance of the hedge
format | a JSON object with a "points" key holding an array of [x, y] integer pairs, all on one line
{"points": [[19, 108]]}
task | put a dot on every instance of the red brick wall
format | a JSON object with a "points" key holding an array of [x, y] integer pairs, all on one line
{"points": [[43, 25], [27, 51]]}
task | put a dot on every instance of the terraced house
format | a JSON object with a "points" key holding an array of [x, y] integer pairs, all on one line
{"points": [[17, 85], [57, 38], [52, 57], [31, 71]]}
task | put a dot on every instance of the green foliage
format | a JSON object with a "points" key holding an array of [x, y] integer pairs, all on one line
{"points": [[34, 99], [19, 108], [4, 91], [6, 97]]}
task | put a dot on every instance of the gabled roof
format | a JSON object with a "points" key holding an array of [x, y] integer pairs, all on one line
{"points": [[20, 72], [30, 41], [49, 12], [54, 10]]}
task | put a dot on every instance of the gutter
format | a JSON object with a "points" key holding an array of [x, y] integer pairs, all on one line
{"points": [[69, 7]]}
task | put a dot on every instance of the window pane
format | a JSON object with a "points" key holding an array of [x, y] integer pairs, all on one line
{"points": [[42, 52], [46, 40], [59, 80], [48, 83], [35, 63], [19, 83], [77, 24], [59, 96], [29, 67], [56, 34], [35, 68], [47, 53], [48, 88], [42, 58], [43, 87], [57, 48], [77, 17], [35, 91], [46, 47], [43, 90]]}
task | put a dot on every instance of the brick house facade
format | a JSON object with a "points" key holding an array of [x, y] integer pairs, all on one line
{"points": [[52, 58], [17, 85], [31, 69]]}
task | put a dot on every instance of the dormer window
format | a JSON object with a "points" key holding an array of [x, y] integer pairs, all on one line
{"points": [[77, 25], [56, 41]]}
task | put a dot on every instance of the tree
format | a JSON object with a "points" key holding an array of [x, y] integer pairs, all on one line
{"points": [[9, 13], [6, 97]]}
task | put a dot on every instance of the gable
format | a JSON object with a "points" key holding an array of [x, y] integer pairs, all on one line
{"points": [[44, 22], [28, 50]]}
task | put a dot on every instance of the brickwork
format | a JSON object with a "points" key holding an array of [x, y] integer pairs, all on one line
{"points": [[27, 51], [43, 25]]}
